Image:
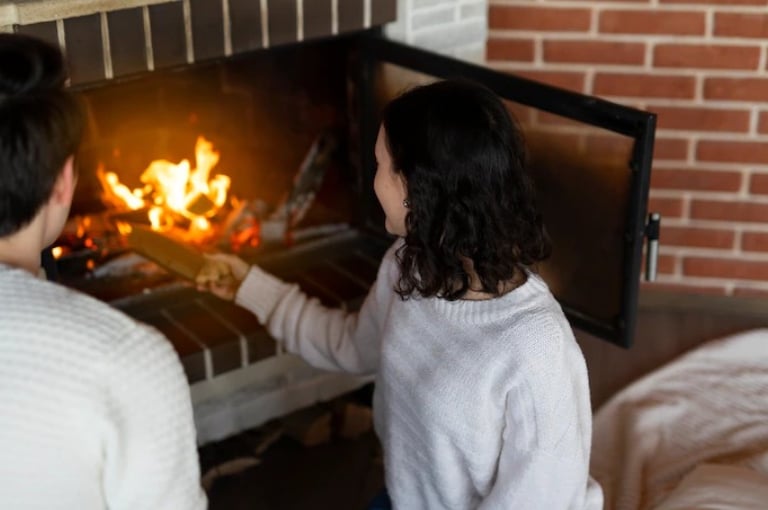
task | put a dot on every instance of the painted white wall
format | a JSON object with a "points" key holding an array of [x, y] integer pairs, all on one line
{"points": [[458, 28]]}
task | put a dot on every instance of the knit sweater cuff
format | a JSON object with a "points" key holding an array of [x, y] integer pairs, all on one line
{"points": [[260, 292]]}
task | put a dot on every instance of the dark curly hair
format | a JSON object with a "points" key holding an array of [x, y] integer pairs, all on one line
{"points": [[470, 197], [41, 124]]}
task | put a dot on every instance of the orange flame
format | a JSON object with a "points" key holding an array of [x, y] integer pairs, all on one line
{"points": [[175, 189]]}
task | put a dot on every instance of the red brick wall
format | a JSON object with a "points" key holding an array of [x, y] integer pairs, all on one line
{"points": [[701, 65]]}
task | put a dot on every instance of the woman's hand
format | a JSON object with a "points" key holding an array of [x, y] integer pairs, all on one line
{"points": [[222, 275]]}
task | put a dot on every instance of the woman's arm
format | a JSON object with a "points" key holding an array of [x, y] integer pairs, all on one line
{"points": [[541, 479], [327, 338], [544, 458], [331, 339]]}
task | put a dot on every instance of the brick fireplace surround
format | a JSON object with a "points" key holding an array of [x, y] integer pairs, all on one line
{"points": [[107, 39], [702, 66]]}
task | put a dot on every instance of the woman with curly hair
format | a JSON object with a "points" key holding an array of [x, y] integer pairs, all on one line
{"points": [[481, 397]]}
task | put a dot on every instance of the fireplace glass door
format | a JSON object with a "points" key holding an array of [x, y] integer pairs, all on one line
{"points": [[591, 162]]}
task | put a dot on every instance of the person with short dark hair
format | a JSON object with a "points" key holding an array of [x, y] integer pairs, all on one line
{"points": [[481, 395], [95, 410]]}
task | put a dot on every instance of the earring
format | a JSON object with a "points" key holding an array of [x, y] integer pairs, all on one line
{"points": [[406, 204]]}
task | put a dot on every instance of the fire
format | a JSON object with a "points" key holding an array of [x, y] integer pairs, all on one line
{"points": [[175, 192]]}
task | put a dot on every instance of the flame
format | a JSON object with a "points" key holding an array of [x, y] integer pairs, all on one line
{"points": [[175, 191], [132, 200]]}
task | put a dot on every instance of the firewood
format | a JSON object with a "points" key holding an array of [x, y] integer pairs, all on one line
{"points": [[199, 204], [310, 426], [228, 468], [167, 252], [355, 420]]}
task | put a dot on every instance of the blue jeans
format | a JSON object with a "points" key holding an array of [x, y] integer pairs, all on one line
{"points": [[381, 501]]}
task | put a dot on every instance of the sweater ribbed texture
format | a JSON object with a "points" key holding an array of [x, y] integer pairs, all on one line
{"points": [[478, 404], [95, 411]]}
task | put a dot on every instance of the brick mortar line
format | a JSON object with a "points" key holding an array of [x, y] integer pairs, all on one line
{"points": [[106, 46], [707, 167], [334, 17], [188, 38], [639, 38], [708, 281], [725, 255], [299, 20], [714, 136], [709, 24], [747, 228], [722, 196], [696, 104], [148, 43], [432, 9], [707, 251], [226, 28], [629, 6], [435, 28], [631, 69], [264, 23]]}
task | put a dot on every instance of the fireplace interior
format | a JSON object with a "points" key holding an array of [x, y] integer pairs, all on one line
{"points": [[292, 128]]}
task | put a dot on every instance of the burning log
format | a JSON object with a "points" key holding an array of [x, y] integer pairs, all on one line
{"points": [[355, 420], [306, 182], [200, 204]]}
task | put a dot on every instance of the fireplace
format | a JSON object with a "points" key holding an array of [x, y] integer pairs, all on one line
{"points": [[255, 128], [277, 110], [283, 127]]}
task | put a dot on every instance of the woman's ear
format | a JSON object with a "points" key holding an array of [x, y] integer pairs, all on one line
{"points": [[403, 185], [64, 188]]}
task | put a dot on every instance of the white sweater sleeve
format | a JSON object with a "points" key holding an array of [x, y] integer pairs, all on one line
{"points": [[537, 479], [150, 457], [330, 339], [531, 475]]}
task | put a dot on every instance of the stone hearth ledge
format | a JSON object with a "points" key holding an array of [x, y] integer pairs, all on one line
{"points": [[26, 12]]}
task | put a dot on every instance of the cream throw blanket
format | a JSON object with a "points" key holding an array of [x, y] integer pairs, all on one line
{"points": [[708, 407]]}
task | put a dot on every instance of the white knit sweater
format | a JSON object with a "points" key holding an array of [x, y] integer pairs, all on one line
{"points": [[95, 410], [478, 404]]}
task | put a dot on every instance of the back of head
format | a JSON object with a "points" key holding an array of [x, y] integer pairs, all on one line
{"points": [[41, 124], [464, 160]]}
